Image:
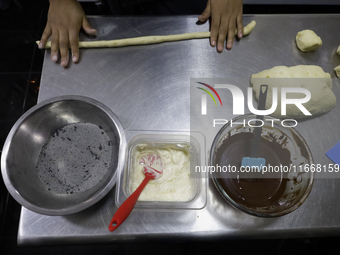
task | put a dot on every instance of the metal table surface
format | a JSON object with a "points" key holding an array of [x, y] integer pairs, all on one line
{"points": [[139, 82]]}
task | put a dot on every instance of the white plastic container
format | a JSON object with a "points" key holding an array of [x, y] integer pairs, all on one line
{"points": [[193, 143]]}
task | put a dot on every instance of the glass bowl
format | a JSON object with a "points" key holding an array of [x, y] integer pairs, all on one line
{"points": [[278, 188]]}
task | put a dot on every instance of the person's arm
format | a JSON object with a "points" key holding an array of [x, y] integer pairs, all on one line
{"points": [[64, 21], [226, 15]]}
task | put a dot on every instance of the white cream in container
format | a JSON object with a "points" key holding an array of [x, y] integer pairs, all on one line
{"points": [[181, 188], [175, 184]]}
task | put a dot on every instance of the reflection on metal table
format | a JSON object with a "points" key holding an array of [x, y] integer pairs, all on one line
{"points": [[140, 82]]}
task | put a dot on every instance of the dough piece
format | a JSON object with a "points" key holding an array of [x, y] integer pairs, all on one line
{"points": [[337, 71], [314, 79], [150, 39], [248, 28], [307, 40], [338, 51]]}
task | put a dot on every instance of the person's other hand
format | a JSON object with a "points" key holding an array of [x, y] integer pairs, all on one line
{"points": [[64, 21], [225, 16]]}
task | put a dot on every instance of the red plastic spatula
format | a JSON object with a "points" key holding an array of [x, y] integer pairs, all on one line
{"points": [[153, 169]]}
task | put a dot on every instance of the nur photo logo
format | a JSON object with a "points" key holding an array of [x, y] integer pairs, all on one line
{"points": [[280, 101], [204, 97]]}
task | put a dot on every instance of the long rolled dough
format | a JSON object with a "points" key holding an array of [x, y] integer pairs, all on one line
{"points": [[150, 39]]}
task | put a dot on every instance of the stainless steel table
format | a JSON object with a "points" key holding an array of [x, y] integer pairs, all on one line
{"points": [[141, 81]]}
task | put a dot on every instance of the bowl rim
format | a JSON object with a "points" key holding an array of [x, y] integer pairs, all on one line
{"points": [[243, 208], [78, 207]]}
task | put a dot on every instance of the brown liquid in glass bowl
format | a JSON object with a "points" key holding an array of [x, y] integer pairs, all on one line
{"points": [[251, 189]]}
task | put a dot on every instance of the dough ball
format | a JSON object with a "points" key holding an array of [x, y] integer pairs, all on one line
{"points": [[309, 77], [337, 71], [307, 40], [338, 51]]}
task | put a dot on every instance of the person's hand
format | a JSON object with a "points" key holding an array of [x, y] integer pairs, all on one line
{"points": [[65, 19], [225, 16]]}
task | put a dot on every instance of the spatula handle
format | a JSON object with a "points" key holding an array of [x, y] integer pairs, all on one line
{"points": [[258, 130], [125, 209]]}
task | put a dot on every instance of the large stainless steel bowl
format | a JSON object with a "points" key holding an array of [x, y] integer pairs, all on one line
{"points": [[26, 138]]}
